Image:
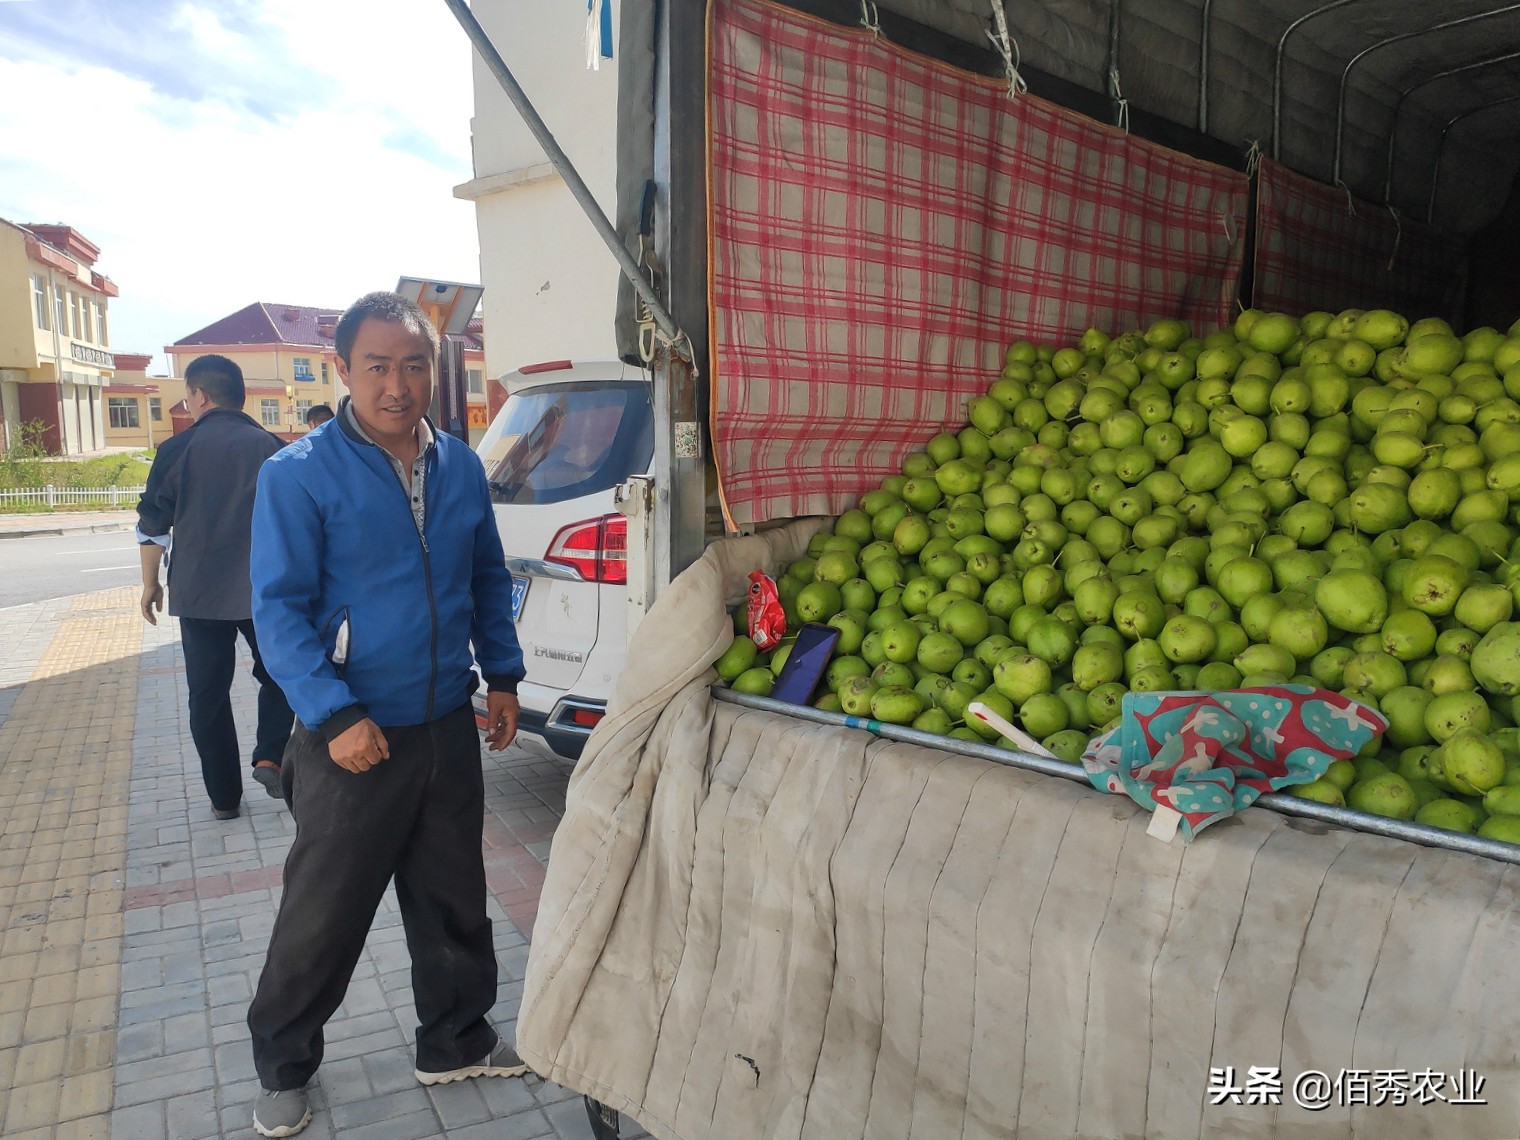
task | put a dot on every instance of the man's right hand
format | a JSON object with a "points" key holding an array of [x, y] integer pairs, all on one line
{"points": [[359, 747], [151, 556]]}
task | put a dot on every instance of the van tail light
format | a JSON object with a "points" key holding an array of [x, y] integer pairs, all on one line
{"points": [[587, 718], [597, 549]]}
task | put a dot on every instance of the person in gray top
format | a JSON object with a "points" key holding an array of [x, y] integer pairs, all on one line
{"points": [[197, 509]]}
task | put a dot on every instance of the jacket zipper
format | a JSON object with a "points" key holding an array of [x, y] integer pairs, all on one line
{"points": [[427, 574]]}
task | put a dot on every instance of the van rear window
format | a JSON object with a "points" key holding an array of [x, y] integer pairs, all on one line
{"points": [[563, 441]]}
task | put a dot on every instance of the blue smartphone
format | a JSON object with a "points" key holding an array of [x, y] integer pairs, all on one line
{"points": [[804, 666]]}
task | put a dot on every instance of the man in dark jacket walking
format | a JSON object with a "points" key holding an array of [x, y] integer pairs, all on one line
{"points": [[198, 505]]}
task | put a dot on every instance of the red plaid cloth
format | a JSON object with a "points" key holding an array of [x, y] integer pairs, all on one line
{"points": [[883, 226], [1319, 248]]}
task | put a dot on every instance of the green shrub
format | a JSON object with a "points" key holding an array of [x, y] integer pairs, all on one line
{"points": [[28, 465]]}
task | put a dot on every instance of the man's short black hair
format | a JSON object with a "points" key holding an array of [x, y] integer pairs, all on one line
{"points": [[221, 379], [318, 414], [382, 306]]}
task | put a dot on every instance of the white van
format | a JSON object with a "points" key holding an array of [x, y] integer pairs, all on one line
{"points": [[567, 436]]}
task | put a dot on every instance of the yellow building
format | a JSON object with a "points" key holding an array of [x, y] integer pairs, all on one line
{"points": [[289, 363], [138, 406], [55, 356], [285, 352]]}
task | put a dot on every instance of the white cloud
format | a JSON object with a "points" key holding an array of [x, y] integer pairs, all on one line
{"points": [[319, 166], [208, 35]]}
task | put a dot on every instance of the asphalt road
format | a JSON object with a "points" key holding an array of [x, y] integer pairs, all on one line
{"points": [[58, 566]]}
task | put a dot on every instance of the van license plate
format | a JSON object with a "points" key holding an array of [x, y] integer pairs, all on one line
{"points": [[519, 595]]}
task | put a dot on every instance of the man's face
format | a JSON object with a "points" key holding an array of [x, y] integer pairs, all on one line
{"points": [[197, 403], [389, 374]]}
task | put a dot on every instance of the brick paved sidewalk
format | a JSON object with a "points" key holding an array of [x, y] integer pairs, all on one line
{"points": [[135, 925]]}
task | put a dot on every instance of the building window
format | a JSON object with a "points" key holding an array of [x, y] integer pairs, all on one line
{"points": [[61, 308], [39, 292], [324, 372], [303, 367], [123, 410], [476, 381], [74, 307], [302, 407], [269, 413], [83, 321], [100, 324], [155, 409]]}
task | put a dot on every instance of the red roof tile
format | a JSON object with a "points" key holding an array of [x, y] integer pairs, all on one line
{"points": [[266, 323]]}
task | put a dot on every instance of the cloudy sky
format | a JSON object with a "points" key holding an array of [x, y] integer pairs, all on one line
{"points": [[232, 151]]}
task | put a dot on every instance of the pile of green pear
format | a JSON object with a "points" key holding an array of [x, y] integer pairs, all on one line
{"points": [[1330, 500]]}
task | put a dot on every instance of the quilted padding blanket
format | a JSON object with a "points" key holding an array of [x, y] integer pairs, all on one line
{"points": [[755, 926]]}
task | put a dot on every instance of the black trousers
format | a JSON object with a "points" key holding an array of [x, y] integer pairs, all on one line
{"points": [[417, 816], [210, 649]]}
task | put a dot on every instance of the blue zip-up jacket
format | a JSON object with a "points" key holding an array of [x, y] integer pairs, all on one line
{"points": [[334, 540]]}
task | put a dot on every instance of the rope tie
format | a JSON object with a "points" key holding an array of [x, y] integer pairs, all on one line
{"points": [[1253, 158], [652, 336], [1398, 236], [1350, 201], [680, 346], [1008, 48], [1121, 104], [869, 19]]}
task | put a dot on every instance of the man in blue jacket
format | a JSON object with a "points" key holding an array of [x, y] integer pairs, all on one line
{"points": [[376, 565]]}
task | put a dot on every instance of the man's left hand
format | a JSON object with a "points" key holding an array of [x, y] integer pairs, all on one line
{"points": [[502, 711]]}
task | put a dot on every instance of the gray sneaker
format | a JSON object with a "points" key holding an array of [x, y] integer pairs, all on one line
{"points": [[267, 776], [281, 1113], [502, 1061]]}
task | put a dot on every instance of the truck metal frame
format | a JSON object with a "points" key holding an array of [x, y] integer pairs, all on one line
{"points": [[667, 277]]}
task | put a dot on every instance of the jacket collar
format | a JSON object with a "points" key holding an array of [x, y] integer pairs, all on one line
{"points": [[218, 410]]}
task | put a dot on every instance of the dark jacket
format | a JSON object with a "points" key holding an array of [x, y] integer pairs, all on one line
{"points": [[201, 488], [335, 541]]}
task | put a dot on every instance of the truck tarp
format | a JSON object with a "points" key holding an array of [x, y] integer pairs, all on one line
{"points": [[881, 224], [1318, 249], [754, 926], [882, 227], [1307, 80], [1412, 105]]}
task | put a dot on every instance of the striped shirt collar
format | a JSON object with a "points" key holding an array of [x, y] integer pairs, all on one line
{"points": [[414, 481], [424, 431]]}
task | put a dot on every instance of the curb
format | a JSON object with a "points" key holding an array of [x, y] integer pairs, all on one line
{"points": [[54, 531]]}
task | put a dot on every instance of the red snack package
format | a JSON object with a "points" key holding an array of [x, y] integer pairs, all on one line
{"points": [[767, 620]]}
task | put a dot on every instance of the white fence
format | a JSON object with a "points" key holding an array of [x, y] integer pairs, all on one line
{"points": [[52, 497]]}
